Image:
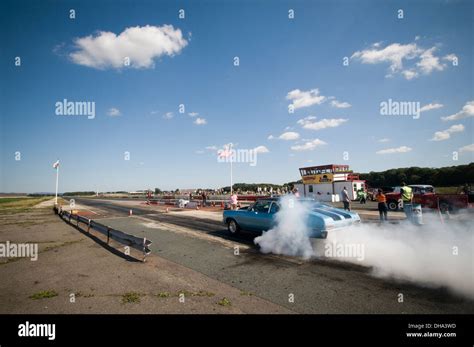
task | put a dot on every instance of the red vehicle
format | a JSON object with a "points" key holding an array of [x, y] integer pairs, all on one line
{"points": [[428, 198]]}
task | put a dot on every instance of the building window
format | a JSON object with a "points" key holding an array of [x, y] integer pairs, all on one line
{"points": [[310, 188]]}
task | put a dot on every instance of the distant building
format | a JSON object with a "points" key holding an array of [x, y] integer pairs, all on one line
{"points": [[325, 182]]}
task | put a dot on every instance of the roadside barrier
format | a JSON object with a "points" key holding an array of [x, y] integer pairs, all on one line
{"points": [[139, 243]]}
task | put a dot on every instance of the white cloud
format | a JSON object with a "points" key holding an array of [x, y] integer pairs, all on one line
{"points": [[468, 148], [467, 111], [309, 145], [211, 148], [446, 134], [199, 152], [309, 123], [200, 121], [428, 62], [168, 115], [193, 114], [339, 104], [261, 149], [450, 57], [409, 74], [141, 45], [393, 54], [301, 98], [430, 107], [401, 149], [396, 55], [384, 140], [113, 112], [289, 135], [270, 137]]}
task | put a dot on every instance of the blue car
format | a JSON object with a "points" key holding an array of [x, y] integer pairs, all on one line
{"points": [[260, 216]]}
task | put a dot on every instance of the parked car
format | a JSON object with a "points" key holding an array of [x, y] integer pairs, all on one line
{"points": [[426, 196], [260, 216]]}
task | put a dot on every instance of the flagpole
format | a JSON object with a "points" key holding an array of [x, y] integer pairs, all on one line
{"points": [[230, 168], [57, 180]]}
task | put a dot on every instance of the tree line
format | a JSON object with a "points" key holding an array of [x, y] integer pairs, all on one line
{"points": [[441, 177]]}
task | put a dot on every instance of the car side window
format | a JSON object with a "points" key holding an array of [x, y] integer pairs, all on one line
{"points": [[261, 206], [275, 208]]}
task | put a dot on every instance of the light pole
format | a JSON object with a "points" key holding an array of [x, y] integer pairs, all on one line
{"points": [[56, 166]]}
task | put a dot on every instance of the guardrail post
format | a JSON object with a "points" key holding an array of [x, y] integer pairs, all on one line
{"points": [[144, 249], [108, 234], [89, 226], [70, 214]]}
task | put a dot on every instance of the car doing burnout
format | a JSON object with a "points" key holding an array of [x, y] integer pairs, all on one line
{"points": [[260, 216]]}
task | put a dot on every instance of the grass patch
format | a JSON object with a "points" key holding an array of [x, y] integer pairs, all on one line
{"points": [[185, 293], [17, 205], [131, 298], [244, 293], [163, 295], [204, 293], [44, 294], [199, 293], [224, 302]]}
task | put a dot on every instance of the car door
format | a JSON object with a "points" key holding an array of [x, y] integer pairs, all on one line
{"points": [[245, 217], [261, 218]]}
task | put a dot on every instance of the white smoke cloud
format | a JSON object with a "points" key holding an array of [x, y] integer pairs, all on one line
{"points": [[290, 236], [436, 254], [425, 255]]}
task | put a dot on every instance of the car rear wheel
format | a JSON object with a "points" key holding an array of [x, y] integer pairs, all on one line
{"points": [[393, 205], [233, 227]]}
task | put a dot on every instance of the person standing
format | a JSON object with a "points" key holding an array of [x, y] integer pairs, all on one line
{"points": [[204, 199], [295, 192], [233, 201], [345, 199], [407, 199], [382, 205]]}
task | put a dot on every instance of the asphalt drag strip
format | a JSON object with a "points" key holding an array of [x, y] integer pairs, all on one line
{"points": [[314, 286]]}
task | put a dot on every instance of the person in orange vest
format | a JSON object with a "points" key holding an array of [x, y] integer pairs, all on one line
{"points": [[382, 205]]}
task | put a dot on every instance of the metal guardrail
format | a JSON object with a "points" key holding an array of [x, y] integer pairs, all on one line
{"points": [[138, 243]]}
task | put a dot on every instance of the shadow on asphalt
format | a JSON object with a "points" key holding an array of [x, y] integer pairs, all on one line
{"points": [[104, 244], [243, 237]]}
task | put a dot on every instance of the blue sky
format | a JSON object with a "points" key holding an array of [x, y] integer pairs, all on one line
{"points": [[282, 61]]}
